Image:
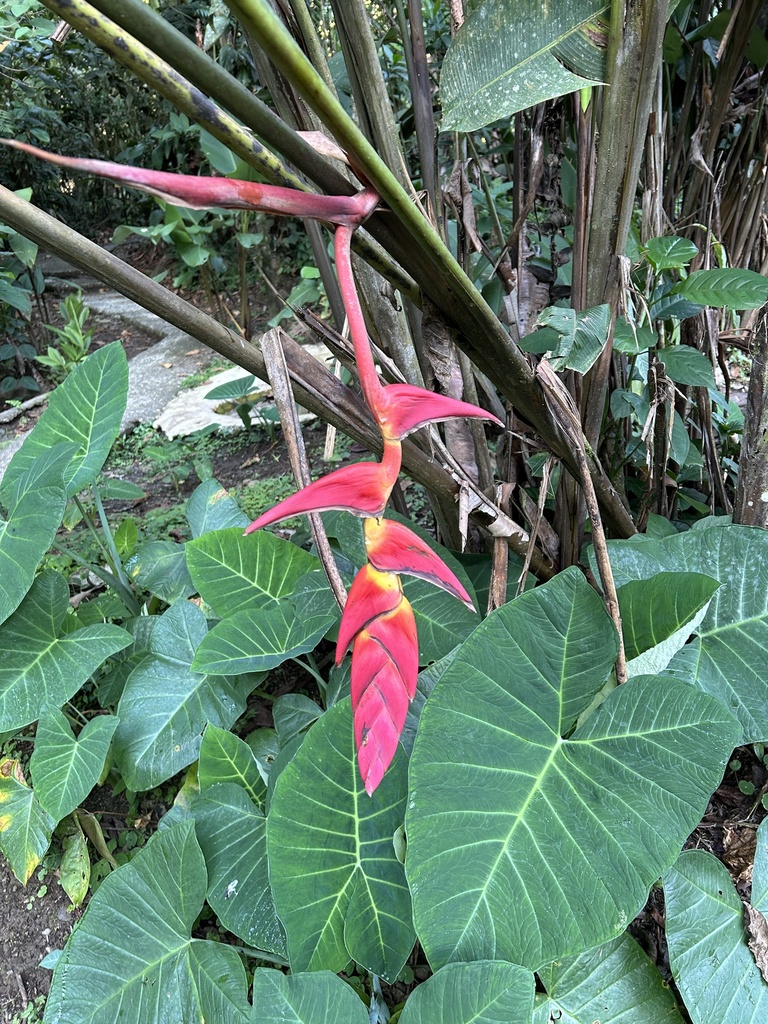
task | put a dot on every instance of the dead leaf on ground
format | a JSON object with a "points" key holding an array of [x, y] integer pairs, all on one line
{"points": [[757, 927]]}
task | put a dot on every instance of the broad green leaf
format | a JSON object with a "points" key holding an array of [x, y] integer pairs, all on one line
{"points": [[686, 365], [113, 489], [259, 639], [653, 609], [112, 683], [25, 828], [160, 566], [292, 714], [317, 998], [234, 573], [730, 287], [711, 962], [728, 658], [504, 59], [527, 842], [631, 339], [484, 992], [41, 667], [131, 957], [442, 621], [670, 306], [669, 252], [65, 769], [86, 408], [166, 704], [211, 507], [224, 757], [338, 886], [613, 984], [578, 339], [232, 832]]}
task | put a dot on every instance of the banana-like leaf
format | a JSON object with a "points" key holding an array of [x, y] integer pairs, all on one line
{"points": [[131, 957], [338, 886], [527, 840], [506, 57]]}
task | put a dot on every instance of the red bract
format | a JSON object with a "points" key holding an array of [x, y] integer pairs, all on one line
{"points": [[202, 193], [372, 594], [402, 408], [392, 547], [362, 489]]}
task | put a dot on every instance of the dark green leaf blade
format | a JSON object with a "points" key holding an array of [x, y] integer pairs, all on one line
{"points": [[652, 610], [484, 992], [728, 287], [316, 998], [338, 886]]}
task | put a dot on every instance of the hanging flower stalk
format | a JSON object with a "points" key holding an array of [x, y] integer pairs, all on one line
{"points": [[378, 621]]}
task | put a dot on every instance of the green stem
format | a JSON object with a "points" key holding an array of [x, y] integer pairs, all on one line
{"points": [[116, 563], [105, 576]]}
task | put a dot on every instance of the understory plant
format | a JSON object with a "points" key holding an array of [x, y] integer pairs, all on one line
{"points": [[462, 821]]}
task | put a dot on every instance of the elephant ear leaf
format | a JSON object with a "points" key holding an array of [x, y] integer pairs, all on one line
{"points": [[507, 57]]}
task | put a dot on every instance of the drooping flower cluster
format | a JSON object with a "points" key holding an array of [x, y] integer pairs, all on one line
{"points": [[378, 621]]}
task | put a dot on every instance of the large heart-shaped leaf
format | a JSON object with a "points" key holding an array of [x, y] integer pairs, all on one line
{"points": [[339, 888], [728, 659], [35, 507], [708, 952], [485, 992], [527, 842], [505, 58], [232, 833], [234, 573], [65, 769], [211, 507], [40, 667], [653, 610], [316, 998], [86, 409], [224, 757], [160, 566], [131, 957], [166, 705], [613, 984], [25, 828]]}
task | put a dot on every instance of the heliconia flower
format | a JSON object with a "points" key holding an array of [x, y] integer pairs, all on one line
{"points": [[384, 674], [202, 193], [402, 408], [362, 489], [372, 594], [392, 547]]}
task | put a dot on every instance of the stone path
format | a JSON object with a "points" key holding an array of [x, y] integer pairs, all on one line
{"points": [[155, 375]]}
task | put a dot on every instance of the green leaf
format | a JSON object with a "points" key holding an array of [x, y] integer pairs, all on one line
{"points": [[686, 365], [508, 809], [631, 339], [34, 517], [669, 252], [579, 337], [614, 984], [25, 828], [338, 886], [224, 757], [441, 620], [708, 952], [728, 658], [40, 667], [317, 998], [503, 60], [211, 507], [160, 567], [234, 573], [112, 489], [652, 610], [131, 957], [259, 639], [166, 705], [65, 769], [86, 408], [484, 992], [730, 287], [232, 833], [75, 867], [292, 714]]}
